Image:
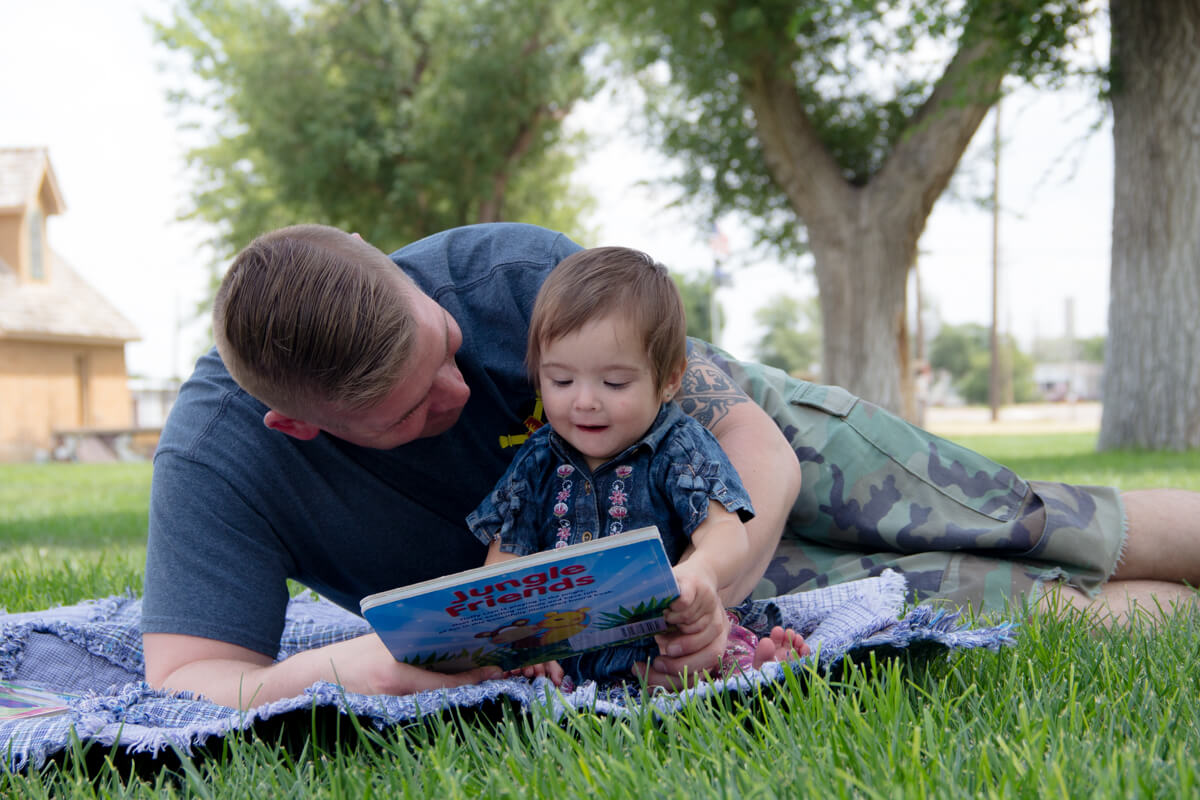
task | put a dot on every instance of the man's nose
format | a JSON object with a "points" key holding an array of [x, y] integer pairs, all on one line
{"points": [[450, 389]]}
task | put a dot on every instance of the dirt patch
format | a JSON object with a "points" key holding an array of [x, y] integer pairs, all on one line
{"points": [[1022, 418]]}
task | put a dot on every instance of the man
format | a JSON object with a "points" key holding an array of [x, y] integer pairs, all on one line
{"points": [[357, 412]]}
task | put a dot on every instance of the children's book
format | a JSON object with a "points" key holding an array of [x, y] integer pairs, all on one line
{"points": [[541, 607], [18, 701]]}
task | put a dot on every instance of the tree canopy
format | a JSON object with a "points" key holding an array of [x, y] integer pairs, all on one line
{"points": [[392, 118], [836, 124], [791, 338]]}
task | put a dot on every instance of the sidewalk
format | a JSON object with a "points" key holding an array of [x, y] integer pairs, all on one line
{"points": [[1022, 418]]}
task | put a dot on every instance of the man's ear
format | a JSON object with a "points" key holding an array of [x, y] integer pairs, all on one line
{"points": [[297, 429]]}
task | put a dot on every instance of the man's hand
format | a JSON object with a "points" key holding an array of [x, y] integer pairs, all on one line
{"points": [[366, 662], [547, 669]]}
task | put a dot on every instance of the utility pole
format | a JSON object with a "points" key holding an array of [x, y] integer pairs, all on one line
{"points": [[994, 373]]}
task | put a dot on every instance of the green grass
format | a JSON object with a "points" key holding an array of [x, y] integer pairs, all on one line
{"points": [[1067, 712], [69, 532]]}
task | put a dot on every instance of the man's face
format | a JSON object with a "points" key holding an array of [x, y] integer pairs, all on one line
{"points": [[428, 398]]}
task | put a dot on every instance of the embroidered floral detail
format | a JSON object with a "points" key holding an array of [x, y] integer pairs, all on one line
{"points": [[562, 508], [699, 480], [617, 498]]}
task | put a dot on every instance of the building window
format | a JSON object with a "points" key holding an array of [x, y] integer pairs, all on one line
{"points": [[37, 249]]}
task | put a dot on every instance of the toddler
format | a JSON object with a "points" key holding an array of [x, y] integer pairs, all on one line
{"points": [[608, 351]]}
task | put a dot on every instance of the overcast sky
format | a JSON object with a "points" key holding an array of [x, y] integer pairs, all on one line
{"points": [[79, 77]]}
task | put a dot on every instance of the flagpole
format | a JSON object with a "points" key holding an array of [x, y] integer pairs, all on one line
{"points": [[719, 245]]}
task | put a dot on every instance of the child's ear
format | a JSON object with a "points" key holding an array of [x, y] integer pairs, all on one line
{"points": [[674, 380]]}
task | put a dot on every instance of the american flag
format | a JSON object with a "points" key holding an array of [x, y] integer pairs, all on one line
{"points": [[718, 241]]}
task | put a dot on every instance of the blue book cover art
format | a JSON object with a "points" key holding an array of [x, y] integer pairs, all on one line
{"points": [[536, 608]]}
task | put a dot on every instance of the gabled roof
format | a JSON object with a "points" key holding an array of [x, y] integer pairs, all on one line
{"points": [[25, 171], [64, 308]]}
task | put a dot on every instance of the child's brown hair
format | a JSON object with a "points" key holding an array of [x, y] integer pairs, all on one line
{"points": [[591, 284]]}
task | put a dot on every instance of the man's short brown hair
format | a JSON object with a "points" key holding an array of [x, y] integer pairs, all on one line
{"points": [[309, 319], [592, 284]]}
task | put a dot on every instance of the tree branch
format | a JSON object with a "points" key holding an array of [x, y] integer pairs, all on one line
{"points": [[796, 157], [938, 134]]}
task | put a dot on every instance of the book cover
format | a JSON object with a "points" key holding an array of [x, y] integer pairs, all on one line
{"points": [[541, 607], [18, 701]]}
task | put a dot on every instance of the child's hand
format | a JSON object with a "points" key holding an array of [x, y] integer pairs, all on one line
{"points": [[701, 630], [698, 607], [547, 669]]}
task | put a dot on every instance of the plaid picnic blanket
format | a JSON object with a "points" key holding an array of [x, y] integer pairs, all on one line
{"points": [[94, 650]]}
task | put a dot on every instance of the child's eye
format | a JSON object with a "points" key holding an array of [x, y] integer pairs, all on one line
{"points": [[562, 382], [616, 385]]}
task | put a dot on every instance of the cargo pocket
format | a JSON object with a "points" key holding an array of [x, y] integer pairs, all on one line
{"points": [[978, 484], [831, 399]]}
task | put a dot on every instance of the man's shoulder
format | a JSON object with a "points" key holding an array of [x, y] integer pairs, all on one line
{"points": [[463, 254], [210, 406]]}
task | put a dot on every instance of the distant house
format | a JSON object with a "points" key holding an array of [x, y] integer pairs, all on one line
{"points": [[1069, 380], [62, 345]]}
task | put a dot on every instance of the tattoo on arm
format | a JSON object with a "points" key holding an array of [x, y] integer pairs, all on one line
{"points": [[707, 393]]}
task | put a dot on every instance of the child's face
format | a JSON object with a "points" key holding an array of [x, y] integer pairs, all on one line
{"points": [[598, 388]]}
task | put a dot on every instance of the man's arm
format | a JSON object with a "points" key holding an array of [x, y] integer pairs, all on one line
{"points": [[771, 474], [237, 677], [762, 456]]}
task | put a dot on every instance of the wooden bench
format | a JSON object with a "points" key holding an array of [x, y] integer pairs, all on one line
{"points": [[105, 444]]}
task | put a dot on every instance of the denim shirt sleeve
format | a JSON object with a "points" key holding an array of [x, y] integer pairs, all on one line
{"points": [[509, 512], [700, 471]]}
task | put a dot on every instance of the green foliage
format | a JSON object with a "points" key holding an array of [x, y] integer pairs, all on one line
{"points": [[861, 69], [954, 345], [965, 352], [792, 340], [1092, 349], [392, 118]]}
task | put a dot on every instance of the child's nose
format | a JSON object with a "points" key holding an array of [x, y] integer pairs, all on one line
{"points": [[585, 399]]}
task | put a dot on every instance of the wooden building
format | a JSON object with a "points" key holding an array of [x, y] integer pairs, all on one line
{"points": [[62, 344]]}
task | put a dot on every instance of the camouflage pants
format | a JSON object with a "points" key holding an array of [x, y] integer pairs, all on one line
{"points": [[878, 492]]}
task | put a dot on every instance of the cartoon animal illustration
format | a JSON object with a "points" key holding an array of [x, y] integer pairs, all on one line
{"points": [[559, 625], [518, 634]]}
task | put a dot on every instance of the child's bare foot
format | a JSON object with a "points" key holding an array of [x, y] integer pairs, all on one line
{"points": [[784, 644]]}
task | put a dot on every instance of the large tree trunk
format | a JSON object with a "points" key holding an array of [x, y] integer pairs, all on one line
{"points": [[861, 267], [1152, 365], [864, 238]]}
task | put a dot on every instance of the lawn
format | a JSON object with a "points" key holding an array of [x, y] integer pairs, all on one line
{"points": [[1067, 712]]}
